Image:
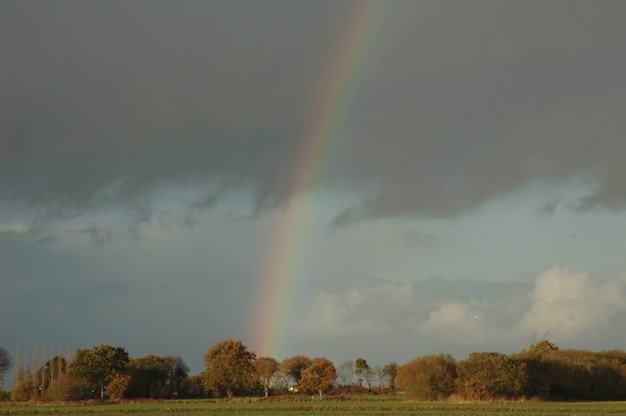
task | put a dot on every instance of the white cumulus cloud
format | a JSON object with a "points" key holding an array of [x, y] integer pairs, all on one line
{"points": [[370, 310], [572, 309], [568, 304]]}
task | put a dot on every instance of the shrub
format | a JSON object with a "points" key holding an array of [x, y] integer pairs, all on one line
{"points": [[491, 375], [24, 391], [68, 388], [431, 377], [118, 387]]}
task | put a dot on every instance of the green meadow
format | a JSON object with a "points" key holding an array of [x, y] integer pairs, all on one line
{"points": [[380, 405]]}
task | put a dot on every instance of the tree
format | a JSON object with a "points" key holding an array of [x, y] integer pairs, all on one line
{"points": [[99, 364], [345, 372], [264, 370], [67, 387], [5, 364], [149, 375], [360, 369], [488, 375], [118, 387], [391, 371], [543, 347], [178, 371], [50, 371], [319, 376], [23, 384], [23, 390], [369, 376], [228, 367], [430, 377], [539, 360], [291, 368], [379, 375], [191, 387], [573, 374]]}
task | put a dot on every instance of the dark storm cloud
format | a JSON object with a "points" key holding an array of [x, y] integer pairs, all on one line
{"points": [[103, 103]]}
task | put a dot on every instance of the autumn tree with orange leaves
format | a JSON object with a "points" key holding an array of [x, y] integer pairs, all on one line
{"points": [[291, 368], [264, 370], [429, 377], [319, 376], [229, 367]]}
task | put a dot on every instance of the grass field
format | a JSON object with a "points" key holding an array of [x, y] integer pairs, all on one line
{"points": [[377, 405]]}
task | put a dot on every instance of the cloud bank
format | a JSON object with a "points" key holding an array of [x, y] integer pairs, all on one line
{"points": [[464, 104], [568, 308]]}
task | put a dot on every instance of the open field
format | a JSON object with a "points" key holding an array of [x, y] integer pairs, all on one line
{"points": [[385, 405]]}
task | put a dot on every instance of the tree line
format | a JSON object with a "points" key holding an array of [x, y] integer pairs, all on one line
{"points": [[542, 371], [98, 372]]}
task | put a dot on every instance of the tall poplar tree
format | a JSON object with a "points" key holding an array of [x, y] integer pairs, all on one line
{"points": [[5, 364]]}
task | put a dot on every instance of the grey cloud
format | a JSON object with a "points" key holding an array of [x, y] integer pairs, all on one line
{"points": [[348, 216], [97, 236], [456, 104], [46, 239], [465, 290], [609, 193], [409, 239], [107, 102], [459, 317], [549, 208], [197, 207]]}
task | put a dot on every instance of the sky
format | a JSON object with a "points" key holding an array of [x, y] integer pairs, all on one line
{"points": [[336, 179]]}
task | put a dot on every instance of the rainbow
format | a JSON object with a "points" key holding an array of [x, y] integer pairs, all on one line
{"points": [[290, 247]]}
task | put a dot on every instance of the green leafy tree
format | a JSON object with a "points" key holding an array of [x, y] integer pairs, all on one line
{"points": [[264, 370], [99, 364], [430, 377], [229, 367], [391, 372], [319, 376], [5, 364], [291, 368]]}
